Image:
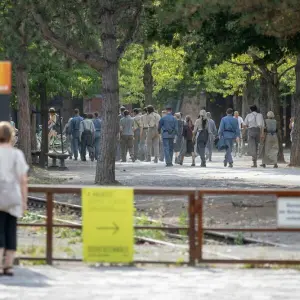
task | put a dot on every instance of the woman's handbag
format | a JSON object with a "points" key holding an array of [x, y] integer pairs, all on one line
{"points": [[10, 192]]}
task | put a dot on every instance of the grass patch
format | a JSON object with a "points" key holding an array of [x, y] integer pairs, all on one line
{"points": [[149, 233]]}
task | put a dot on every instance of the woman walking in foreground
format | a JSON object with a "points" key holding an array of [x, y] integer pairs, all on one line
{"points": [[270, 147], [13, 196]]}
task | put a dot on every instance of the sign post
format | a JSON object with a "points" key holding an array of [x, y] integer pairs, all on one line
{"points": [[288, 212], [107, 224], [5, 90]]}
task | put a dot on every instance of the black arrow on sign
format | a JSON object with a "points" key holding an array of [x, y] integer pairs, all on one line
{"points": [[114, 227]]}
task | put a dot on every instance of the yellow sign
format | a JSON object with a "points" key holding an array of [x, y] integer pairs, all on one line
{"points": [[5, 77], [107, 215]]}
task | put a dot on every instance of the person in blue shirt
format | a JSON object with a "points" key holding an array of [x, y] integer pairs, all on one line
{"points": [[97, 123], [229, 130], [168, 127], [75, 126]]}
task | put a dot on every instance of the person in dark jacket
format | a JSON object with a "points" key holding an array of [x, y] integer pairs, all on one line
{"points": [[179, 138], [188, 145], [75, 127], [168, 126], [97, 124], [229, 131]]}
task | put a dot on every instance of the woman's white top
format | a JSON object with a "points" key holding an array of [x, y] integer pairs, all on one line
{"points": [[12, 167]]}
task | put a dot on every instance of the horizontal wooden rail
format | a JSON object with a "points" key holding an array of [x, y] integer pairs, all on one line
{"points": [[195, 198]]}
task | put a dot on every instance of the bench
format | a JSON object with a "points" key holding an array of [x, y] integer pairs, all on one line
{"points": [[35, 154], [61, 158]]}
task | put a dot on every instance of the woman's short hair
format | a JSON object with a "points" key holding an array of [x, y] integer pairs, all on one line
{"points": [[270, 115], [7, 133]]}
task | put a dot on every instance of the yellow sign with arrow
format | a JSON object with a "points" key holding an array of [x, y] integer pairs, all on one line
{"points": [[107, 219]]}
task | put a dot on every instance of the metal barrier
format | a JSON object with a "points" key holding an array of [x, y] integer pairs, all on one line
{"points": [[195, 227]]}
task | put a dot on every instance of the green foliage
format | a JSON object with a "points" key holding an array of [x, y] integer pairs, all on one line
{"points": [[167, 69], [228, 78], [131, 75]]}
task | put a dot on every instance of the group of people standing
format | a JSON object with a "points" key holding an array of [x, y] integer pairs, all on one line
{"points": [[83, 133], [147, 134]]}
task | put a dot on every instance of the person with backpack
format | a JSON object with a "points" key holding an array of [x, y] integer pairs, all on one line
{"points": [[229, 131], [87, 137], [75, 126], [200, 136], [97, 123]]}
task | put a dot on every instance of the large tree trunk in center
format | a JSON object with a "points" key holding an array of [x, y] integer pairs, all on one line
{"points": [[24, 112], [105, 171], [295, 151], [263, 96], [273, 87], [148, 79]]}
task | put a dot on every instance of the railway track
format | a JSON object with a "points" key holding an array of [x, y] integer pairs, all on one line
{"points": [[36, 203]]}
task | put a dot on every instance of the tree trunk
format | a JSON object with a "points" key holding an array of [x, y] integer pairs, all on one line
{"points": [[24, 112], [295, 151], [263, 96], [245, 104], [33, 128], [44, 121], [273, 87], [105, 171], [148, 80]]}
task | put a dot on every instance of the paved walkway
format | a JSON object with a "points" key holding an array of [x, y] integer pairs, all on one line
{"points": [[82, 283]]}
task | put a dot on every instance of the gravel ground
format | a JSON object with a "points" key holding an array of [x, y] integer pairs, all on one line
{"points": [[218, 210]]}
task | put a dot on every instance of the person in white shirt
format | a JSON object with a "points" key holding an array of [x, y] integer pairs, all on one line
{"points": [[255, 124], [240, 144]]}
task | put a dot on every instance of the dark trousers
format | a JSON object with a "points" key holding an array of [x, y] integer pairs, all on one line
{"points": [[136, 148], [8, 231], [228, 154], [201, 146], [75, 146], [126, 145], [253, 142], [87, 142], [168, 144]]}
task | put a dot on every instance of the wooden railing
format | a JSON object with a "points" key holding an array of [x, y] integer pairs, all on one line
{"points": [[195, 229]]}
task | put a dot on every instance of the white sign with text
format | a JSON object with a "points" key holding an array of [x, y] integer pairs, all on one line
{"points": [[288, 212]]}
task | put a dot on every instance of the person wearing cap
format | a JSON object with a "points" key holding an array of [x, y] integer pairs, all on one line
{"points": [[212, 133], [143, 133], [168, 127], [126, 136], [137, 132], [152, 134], [229, 131], [118, 144]]}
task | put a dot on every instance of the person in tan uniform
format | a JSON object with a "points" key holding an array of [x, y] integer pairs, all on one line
{"points": [[143, 134], [153, 135]]}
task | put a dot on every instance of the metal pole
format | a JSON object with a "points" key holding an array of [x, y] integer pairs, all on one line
{"points": [[61, 135], [49, 224], [200, 225], [192, 232]]}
